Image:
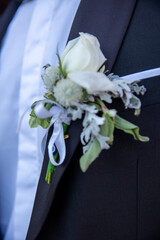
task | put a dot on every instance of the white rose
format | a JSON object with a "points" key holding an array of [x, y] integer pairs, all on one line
{"points": [[82, 53]]}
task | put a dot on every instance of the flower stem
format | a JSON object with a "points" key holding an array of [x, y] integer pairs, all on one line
{"points": [[103, 106], [50, 171], [51, 168]]}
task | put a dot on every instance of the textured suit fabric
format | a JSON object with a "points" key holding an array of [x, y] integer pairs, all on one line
{"points": [[118, 197]]}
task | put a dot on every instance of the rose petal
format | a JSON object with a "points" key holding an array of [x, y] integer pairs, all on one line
{"points": [[92, 81]]}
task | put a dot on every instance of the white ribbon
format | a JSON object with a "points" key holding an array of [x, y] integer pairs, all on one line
{"points": [[58, 115], [142, 75]]}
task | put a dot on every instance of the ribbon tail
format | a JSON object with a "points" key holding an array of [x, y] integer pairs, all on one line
{"points": [[57, 139], [61, 146]]}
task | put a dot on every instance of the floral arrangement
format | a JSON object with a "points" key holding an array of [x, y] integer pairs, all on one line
{"points": [[79, 88]]}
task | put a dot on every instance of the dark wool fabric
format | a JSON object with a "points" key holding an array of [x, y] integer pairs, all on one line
{"points": [[118, 198]]}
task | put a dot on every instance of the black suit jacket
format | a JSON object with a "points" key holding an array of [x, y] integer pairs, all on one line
{"points": [[118, 198]]}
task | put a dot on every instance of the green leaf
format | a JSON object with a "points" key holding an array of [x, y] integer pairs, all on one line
{"points": [[49, 96], [33, 122], [95, 104], [130, 128], [90, 155], [32, 114], [48, 106], [65, 127], [85, 94], [60, 67], [44, 123], [107, 129]]}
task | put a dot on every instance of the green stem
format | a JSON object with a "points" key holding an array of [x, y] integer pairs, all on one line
{"points": [[103, 106], [60, 67], [51, 168]]}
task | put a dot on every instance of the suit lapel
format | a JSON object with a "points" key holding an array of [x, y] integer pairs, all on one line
{"points": [[46, 192], [7, 17], [108, 21]]}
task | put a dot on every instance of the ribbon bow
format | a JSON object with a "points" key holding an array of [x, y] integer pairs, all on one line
{"points": [[59, 116]]}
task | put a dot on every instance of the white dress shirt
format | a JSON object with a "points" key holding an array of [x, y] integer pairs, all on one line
{"points": [[38, 28]]}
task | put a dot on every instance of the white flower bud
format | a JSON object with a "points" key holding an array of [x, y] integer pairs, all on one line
{"points": [[82, 53], [67, 92], [51, 74]]}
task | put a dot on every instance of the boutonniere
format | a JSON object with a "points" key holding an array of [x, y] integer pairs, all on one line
{"points": [[79, 88]]}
